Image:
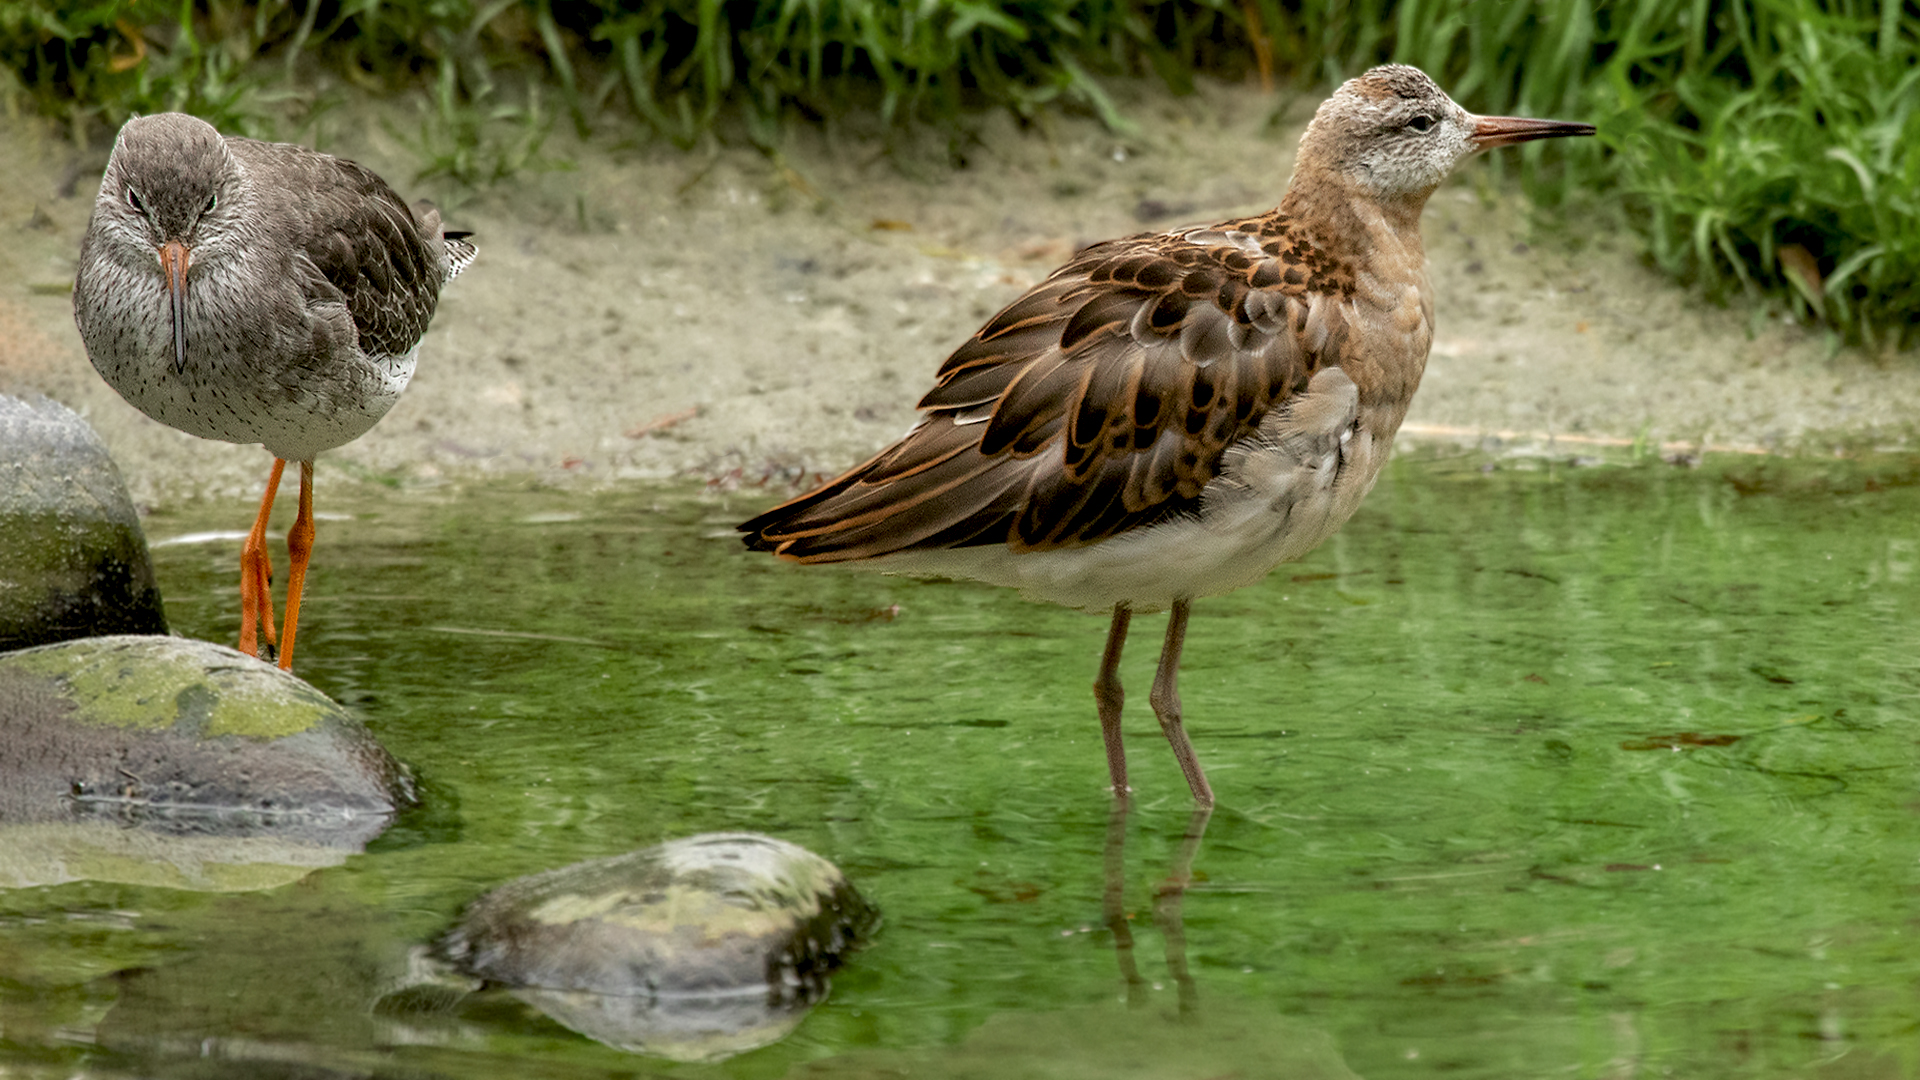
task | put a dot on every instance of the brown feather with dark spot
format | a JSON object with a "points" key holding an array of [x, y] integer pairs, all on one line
{"points": [[1133, 368]]}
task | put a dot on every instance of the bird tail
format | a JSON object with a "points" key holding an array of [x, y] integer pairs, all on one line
{"points": [[460, 254], [770, 531]]}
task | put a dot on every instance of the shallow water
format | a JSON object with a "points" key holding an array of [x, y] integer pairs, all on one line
{"points": [[1598, 771]]}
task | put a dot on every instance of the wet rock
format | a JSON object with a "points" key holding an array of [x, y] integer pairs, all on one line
{"points": [[696, 1027], [73, 561], [231, 758], [696, 950]]}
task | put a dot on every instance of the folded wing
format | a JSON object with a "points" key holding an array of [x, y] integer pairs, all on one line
{"points": [[1101, 401]]}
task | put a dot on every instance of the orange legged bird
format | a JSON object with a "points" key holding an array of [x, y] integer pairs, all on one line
{"points": [[257, 292], [1173, 415]]}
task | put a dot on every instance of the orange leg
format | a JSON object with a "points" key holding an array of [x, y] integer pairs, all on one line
{"points": [[256, 573], [299, 549]]}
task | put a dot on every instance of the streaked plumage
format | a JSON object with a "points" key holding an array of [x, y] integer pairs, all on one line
{"points": [[256, 292], [1172, 415]]}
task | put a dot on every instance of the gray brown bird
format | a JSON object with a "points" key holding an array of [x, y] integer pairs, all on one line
{"points": [[257, 292], [1172, 415]]}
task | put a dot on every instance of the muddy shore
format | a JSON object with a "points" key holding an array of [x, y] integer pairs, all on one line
{"points": [[720, 315]]}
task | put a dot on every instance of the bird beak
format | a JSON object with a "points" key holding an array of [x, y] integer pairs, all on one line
{"points": [[1491, 131], [174, 258]]}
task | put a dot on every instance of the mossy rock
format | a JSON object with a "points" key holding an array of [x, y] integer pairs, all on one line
{"points": [[73, 559], [695, 949], [187, 737]]}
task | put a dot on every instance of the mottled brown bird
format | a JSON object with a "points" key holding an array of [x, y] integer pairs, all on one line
{"points": [[257, 292], [1173, 415]]}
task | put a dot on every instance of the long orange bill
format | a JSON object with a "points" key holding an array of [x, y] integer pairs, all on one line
{"points": [[1493, 131], [174, 258]]}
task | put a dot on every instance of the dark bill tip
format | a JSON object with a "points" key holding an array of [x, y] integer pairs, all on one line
{"points": [[1508, 130]]}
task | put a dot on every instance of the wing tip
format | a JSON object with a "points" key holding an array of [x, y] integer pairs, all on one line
{"points": [[783, 548], [460, 253], [778, 531], [754, 533]]}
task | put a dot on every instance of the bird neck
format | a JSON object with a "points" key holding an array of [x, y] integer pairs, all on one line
{"points": [[1376, 245], [1356, 227]]}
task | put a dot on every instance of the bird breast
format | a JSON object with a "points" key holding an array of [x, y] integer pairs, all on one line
{"points": [[262, 365]]}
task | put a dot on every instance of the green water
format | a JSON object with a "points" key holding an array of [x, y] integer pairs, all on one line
{"points": [[1537, 771]]}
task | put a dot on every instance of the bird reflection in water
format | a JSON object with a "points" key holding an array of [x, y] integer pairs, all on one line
{"points": [[1168, 899]]}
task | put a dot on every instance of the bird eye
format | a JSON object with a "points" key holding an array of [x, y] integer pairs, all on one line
{"points": [[1421, 123], [133, 200], [213, 200]]}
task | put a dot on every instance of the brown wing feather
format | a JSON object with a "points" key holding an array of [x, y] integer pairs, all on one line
{"points": [[1116, 386], [387, 263]]}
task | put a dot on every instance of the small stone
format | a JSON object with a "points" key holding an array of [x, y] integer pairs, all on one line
{"points": [[73, 560], [695, 949]]}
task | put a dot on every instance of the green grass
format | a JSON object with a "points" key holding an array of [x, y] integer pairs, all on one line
{"points": [[1765, 148], [1776, 150]]}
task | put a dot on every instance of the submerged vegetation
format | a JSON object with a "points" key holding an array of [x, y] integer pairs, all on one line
{"points": [[1765, 147]]}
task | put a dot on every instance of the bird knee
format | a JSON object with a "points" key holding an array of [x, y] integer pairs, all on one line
{"points": [[1166, 705]]}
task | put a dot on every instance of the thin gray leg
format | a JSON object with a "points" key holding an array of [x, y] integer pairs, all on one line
{"points": [[1165, 699], [1108, 696]]}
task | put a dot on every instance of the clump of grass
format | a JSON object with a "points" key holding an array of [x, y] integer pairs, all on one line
{"points": [[1765, 147], [679, 64], [479, 138], [1774, 149], [104, 61]]}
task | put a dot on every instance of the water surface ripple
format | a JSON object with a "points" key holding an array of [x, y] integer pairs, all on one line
{"points": [[1533, 770]]}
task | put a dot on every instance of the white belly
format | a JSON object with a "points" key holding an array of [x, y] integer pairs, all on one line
{"points": [[295, 421]]}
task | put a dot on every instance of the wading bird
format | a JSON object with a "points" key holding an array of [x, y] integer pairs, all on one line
{"points": [[257, 292], [1172, 415]]}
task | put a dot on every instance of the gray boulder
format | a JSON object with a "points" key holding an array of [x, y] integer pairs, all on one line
{"points": [[73, 561], [696, 949], [182, 739]]}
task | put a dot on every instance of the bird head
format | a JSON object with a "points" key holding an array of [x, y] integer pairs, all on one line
{"points": [[1394, 134], [162, 194]]}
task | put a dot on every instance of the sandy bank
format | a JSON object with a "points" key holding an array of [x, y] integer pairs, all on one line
{"points": [[715, 314]]}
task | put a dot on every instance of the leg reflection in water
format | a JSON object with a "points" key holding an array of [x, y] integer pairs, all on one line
{"points": [[1168, 896]]}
